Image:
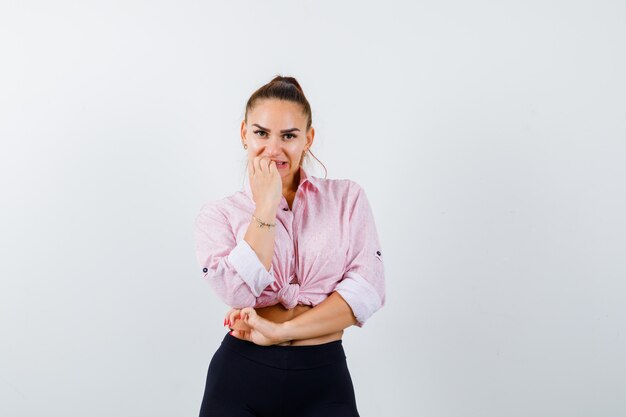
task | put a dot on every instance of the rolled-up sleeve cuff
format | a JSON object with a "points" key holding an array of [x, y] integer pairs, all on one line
{"points": [[249, 267], [360, 295]]}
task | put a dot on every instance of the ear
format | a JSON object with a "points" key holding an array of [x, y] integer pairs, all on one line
{"points": [[310, 135], [244, 131]]}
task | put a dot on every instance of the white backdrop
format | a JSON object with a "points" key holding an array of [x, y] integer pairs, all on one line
{"points": [[489, 136]]}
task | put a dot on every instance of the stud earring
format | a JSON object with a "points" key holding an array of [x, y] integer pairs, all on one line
{"points": [[245, 146]]}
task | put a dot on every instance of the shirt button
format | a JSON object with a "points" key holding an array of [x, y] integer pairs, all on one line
{"points": [[378, 252], [204, 269], [285, 209]]}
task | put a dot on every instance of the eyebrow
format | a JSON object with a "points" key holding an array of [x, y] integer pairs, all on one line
{"points": [[293, 129]]}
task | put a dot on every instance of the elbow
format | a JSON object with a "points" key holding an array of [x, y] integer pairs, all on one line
{"points": [[363, 298], [232, 295], [231, 289], [239, 300]]}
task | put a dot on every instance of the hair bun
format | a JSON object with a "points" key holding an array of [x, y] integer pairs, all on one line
{"points": [[288, 80]]}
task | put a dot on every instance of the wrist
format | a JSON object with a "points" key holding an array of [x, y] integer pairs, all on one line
{"points": [[283, 332], [266, 211]]}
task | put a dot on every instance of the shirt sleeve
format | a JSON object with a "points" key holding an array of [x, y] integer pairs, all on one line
{"points": [[363, 282], [232, 269]]}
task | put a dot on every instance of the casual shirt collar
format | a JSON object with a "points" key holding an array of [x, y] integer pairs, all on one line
{"points": [[304, 177]]}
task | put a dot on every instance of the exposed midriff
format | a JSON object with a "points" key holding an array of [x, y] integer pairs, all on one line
{"points": [[279, 314]]}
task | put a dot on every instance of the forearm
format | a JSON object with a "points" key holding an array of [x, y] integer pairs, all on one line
{"points": [[260, 239], [330, 316]]}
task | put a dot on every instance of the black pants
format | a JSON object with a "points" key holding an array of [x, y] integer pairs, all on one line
{"points": [[247, 380]]}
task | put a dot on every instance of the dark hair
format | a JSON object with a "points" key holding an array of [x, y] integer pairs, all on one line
{"points": [[288, 89]]}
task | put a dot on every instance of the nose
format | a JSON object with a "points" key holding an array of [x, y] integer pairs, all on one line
{"points": [[273, 146]]}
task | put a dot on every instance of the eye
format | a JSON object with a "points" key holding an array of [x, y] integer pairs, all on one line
{"points": [[290, 135]]}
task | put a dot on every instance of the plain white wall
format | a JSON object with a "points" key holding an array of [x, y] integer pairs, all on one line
{"points": [[489, 136]]}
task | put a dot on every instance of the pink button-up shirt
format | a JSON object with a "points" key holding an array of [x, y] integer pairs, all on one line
{"points": [[327, 242]]}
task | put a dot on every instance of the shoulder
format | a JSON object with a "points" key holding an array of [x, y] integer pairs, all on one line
{"points": [[218, 209], [343, 187], [212, 210]]}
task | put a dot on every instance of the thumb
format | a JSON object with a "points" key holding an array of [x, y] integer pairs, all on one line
{"points": [[249, 316]]}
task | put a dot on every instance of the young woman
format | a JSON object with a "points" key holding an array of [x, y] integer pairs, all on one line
{"points": [[298, 260]]}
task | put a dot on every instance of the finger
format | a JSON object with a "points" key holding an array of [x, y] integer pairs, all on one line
{"points": [[260, 325], [240, 325], [233, 315], [241, 322], [272, 167], [228, 313], [248, 315], [266, 162], [227, 316], [241, 334], [237, 323], [256, 163], [262, 163]]}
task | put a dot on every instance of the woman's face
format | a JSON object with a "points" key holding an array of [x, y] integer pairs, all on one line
{"points": [[277, 129]]}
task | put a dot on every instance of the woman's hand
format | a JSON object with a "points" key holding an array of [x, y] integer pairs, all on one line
{"points": [[265, 181], [248, 325]]}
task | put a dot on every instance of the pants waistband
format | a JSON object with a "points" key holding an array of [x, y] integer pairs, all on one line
{"points": [[287, 357]]}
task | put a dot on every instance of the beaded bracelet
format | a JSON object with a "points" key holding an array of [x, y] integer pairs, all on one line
{"points": [[261, 223]]}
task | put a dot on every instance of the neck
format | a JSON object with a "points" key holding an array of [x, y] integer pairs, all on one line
{"points": [[292, 186]]}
